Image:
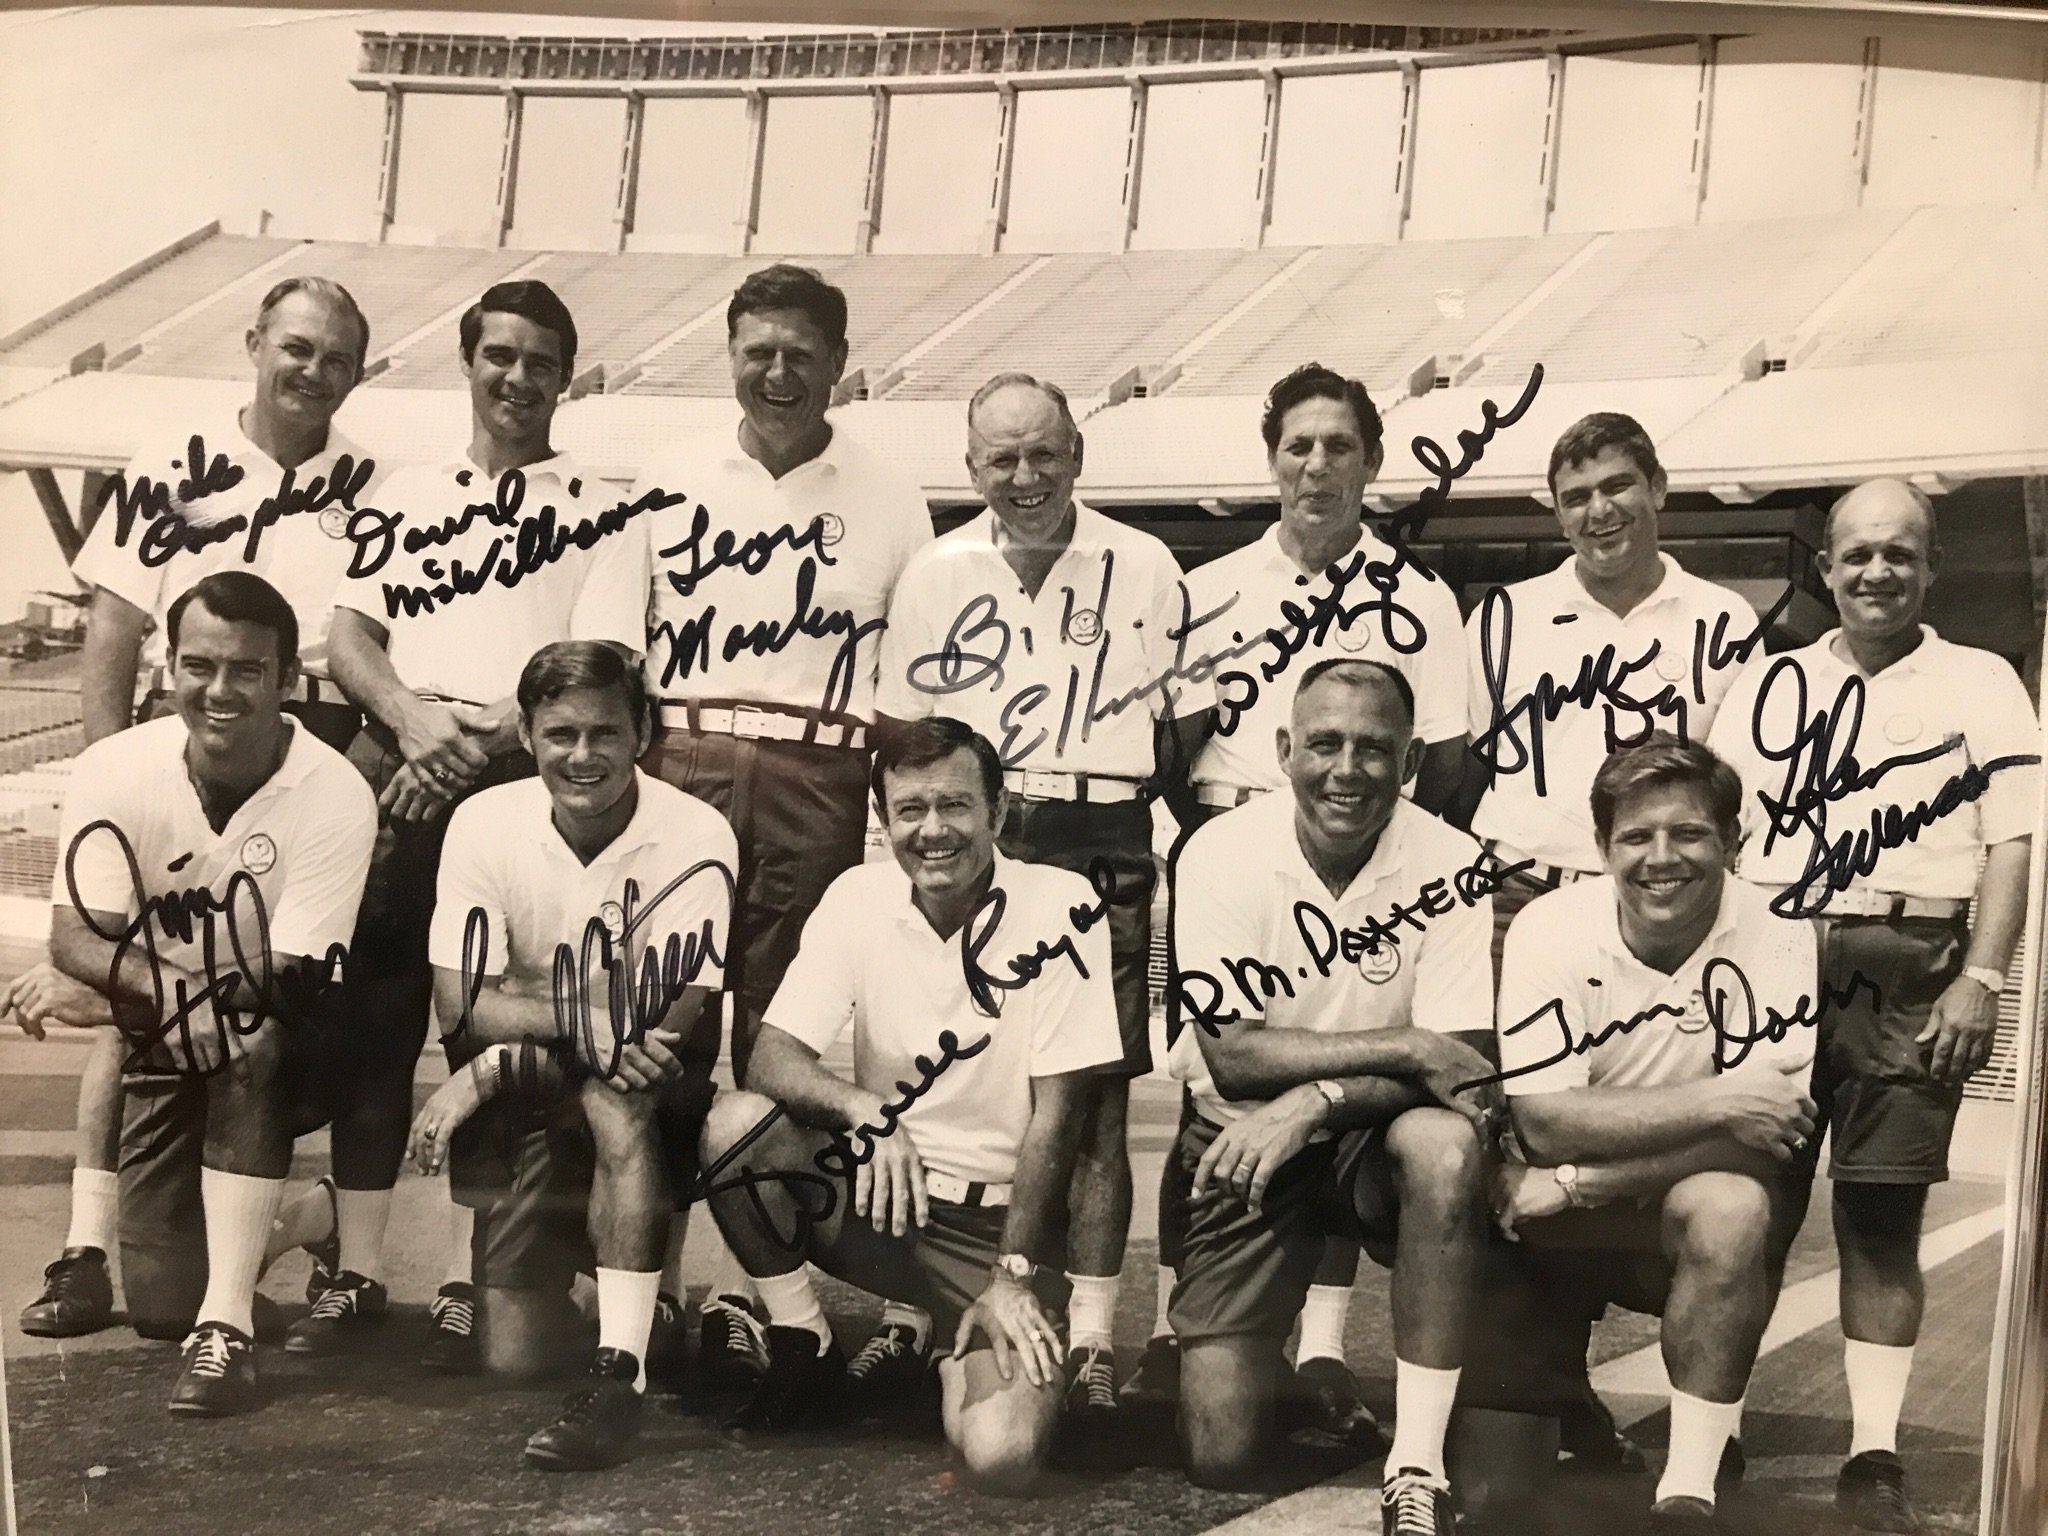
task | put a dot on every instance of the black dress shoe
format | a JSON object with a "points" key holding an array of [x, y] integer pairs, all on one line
{"points": [[1325, 1401], [599, 1420], [218, 1375], [1684, 1517], [1870, 1493], [802, 1387], [347, 1310], [452, 1348], [78, 1297]]}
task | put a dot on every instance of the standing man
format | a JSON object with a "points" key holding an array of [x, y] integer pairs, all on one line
{"points": [[1891, 867], [1321, 1045], [429, 638], [1048, 628], [1664, 1166], [272, 497], [227, 829], [1324, 446], [937, 1175], [771, 582]]}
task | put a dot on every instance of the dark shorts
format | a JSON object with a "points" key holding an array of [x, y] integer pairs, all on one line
{"points": [[800, 816], [1888, 1120], [1247, 1275], [1070, 835]]}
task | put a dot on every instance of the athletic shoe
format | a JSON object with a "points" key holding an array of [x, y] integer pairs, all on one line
{"points": [[349, 1308], [888, 1369], [1157, 1378], [801, 1387], [732, 1343], [1325, 1402], [327, 1252], [1870, 1493], [78, 1297], [1412, 1503], [453, 1348], [1684, 1517], [1091, 1386], [1586, 1432], [1733, 1468], [667, 1344], [599, 1421], [218, 1376]]}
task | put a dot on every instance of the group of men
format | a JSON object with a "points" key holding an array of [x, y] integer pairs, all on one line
{"points": [[601, 814]]}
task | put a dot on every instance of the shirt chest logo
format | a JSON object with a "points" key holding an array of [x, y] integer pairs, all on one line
{"points": [[1902, 727], [334, 522], [1085, 626], [613, 916], [1354, 637], [259, 853], [1380, 964], [1692, 1018], [831, 528]]}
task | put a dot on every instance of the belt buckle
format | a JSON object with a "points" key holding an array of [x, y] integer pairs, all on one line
{"points": [[749, 723], [1044, 784]]}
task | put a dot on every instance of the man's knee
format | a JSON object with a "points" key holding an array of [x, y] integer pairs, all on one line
{"points": [[1718, 1222], [1435, 1152], [621, 1124], [1001, 1429], [1224, 1405], [733, 1118]]}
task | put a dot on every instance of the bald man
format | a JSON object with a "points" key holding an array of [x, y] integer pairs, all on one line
{"points": [[1889, 865]]}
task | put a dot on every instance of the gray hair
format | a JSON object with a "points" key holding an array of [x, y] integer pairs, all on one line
{"points": [[328, 292], [1051, 392]]}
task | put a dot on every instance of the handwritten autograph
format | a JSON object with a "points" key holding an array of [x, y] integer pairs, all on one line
{"points": [[158, 507]]}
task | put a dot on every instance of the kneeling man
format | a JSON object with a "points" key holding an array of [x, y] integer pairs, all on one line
{"points": [[1324, 1073], [1655, 1038], [980, 997]]}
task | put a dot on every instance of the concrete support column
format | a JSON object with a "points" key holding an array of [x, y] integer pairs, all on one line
{"points": [[1553, 134], [1404, 170], [748, 219], [628, 200], [1269, 162], [387, 161], [508, 165], [999, 185], [1866, 121], [1134, 166], [878, 155], [1703, 122]]}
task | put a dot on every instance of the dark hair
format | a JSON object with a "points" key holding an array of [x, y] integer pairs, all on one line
{"points": [[239, 597], [1332, 664], [1661, 759], [327, 291], [784, 286], [530, 299], [1312, 381], [556, 668], [1591, 436], [924, 742]]}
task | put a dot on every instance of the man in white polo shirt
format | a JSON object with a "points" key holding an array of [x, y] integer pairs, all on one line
{"points": [[584, 911], [1656, 1029], [1891, 866], [474, 565], [225, 830], [771, 580], [1312, 1005], [273, 496], [981, 1008], [1048, 628]]}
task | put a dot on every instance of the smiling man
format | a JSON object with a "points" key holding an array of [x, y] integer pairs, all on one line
{"points": [[1933, 928], [946, 1197], [188, 839], [1663, 1130], [770, 584], [1325, 1088]]}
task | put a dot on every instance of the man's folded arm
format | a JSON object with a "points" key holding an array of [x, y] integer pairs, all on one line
{"points": [[1045, 1162], [789, 1071], [1251, 1060], [1582, 1125]]}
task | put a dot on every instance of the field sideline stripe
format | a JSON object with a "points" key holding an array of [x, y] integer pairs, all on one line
{"points": [[1346, 1505]]}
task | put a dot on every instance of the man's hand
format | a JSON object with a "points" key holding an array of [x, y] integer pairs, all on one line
{"points": [[642, 1065], [439, 740], [1962, 1026], [1445, 1064], [1766, 1112], [496, 729], [1010, 1315], [1252, 1148], [1522, 1193], [42, 995], [888, 1188], [413, 795]]}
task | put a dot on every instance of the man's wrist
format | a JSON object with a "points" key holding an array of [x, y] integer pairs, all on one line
{"points": [[1990, 979]]}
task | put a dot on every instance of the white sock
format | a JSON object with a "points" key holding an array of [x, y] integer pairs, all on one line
{"points": [[239, 1209], [1322, 1323], [792, 1302], [461, 1240], [672, 1264], [1423, 1399], [728, 1276], [1162, 1325], [360, 1219], [918, 1322], [1699, 1429], [1877, 1391], [625, 1313], [1091, 1313], [95, 1209]]}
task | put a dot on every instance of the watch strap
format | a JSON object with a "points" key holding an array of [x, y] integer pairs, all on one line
{"points": [[1991, 981]]}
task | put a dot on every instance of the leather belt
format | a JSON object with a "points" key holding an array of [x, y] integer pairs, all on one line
{"points": [[1227, 797], [1083, 788], [762, 722], [1887, 904], [1550, 875], [943, 1186]]}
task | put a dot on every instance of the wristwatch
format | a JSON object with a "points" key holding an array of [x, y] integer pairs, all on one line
{"points": [[1567, 1176], [1991, 981], [1331, 1090], [1013, 1266]]}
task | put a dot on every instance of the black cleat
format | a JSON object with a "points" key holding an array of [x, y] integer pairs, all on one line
{"points": [[1870, 1493], [800, 1388], [732, 1343], [1413, 1503], [888, 1369], [347, 1310], [1326, 1403], [1157, 1378], [78, 1297], [218, 1376], [453, 1348], [1733, 1468], [327, 1252], [667, 1344], [599, 1421], [1586, 1432], [1684, 1517]]}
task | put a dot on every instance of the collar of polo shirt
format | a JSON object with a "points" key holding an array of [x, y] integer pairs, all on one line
{"points": [[1607, 930], [827, 460], [636, 834], [909, 914], [1276, 555], [297, 764], [558, 466], [1837, 645], [1574, 594], [1384, 865], [1085, 537]]}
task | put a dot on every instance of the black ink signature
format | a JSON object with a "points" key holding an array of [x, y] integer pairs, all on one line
{"points": [[169, 534], [834, 1158], [978, 932], [158, 501], [750, 555]]}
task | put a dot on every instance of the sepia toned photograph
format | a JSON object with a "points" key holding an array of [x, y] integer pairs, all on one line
{"points": [[927, 772]]}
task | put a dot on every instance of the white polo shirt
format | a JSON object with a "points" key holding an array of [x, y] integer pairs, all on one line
{"points": [[1065, 680], [670, 873], [870, 957], [304, 837], [469, 530], [1240, 596], [1940, 690], [1241, 883], [1566, 949], [302, 553], [1558, 632], [819, 551]]}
